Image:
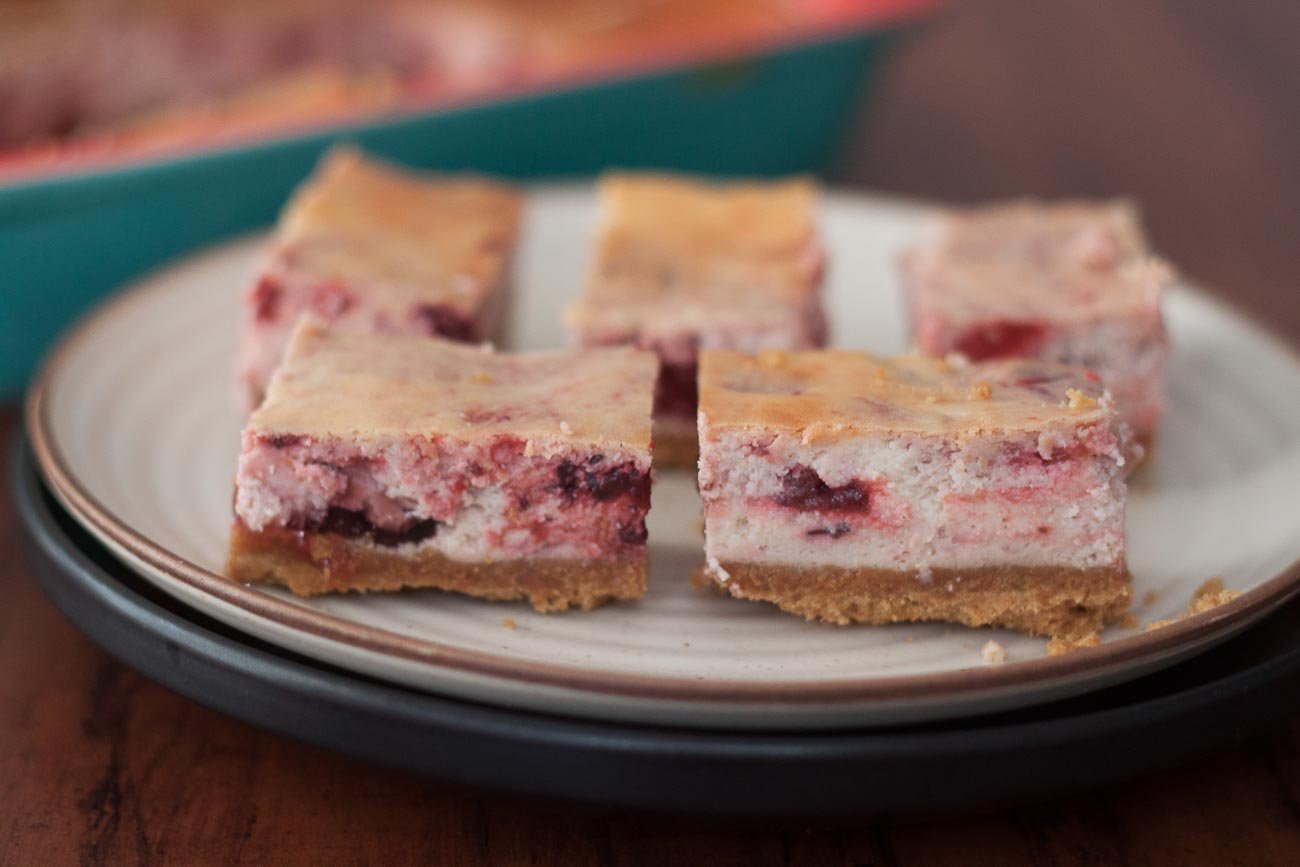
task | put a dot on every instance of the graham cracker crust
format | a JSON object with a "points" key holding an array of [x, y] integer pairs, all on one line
{"points": [[1038, 600], [313, 563]]}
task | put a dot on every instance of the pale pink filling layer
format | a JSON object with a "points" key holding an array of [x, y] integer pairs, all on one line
{"points": [[469, 501], [916, 506]]}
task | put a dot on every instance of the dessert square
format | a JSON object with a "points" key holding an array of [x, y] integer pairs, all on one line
{"points": [[370, 247], [849, 488], [683, 265], [1072, 282], [380, 462]]}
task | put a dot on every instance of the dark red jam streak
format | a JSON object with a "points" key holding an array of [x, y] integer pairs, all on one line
{"points": [[444, 322], [834, 531], [330, 300], [676, 391], [355, 525], [602, 483], [633, 534], [266, 300], [284, 441], [803, 489], [574, 480], [1002, 339]]}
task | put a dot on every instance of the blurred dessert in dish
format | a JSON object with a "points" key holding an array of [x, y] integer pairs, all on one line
{"points": [[89, 78]]}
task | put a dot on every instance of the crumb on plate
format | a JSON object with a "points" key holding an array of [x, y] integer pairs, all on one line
{"points": [[1059, 646], [1209, 595], [1079, 400], [993, 653]]}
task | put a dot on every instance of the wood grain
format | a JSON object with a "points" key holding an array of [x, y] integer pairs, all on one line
{"points": [[101, 766], [1194, 107]]}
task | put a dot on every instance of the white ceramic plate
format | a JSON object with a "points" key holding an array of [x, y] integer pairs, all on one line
{"points": [[132, 423]]}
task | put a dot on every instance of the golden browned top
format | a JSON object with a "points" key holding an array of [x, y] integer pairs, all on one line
{"points": [[828, 394], [1045, 231], [668, 240], [337, 384], [1071, 260], [400, 235]]}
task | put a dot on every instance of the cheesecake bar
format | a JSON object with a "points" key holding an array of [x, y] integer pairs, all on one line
{"points": [[379, 462], [370, 247], [849, 488], [1073, 282], [683, 265]]}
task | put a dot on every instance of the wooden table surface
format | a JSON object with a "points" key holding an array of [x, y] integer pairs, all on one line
{"points": [[1193, 107]]}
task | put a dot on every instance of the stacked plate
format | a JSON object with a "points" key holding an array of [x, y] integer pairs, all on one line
{"points": [[684, 699]]}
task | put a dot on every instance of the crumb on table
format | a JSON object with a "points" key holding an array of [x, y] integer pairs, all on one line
{"points": [[508, 622], [993, 653]]}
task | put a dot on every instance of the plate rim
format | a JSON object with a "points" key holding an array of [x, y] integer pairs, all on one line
{"points": [[780, 750], [288, 614]]}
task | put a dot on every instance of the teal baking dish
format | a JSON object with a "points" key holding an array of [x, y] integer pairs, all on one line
{"points": [[67, 240]]}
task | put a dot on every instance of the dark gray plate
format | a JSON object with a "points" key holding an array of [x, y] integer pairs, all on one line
{"points": [[1111, 735]]}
